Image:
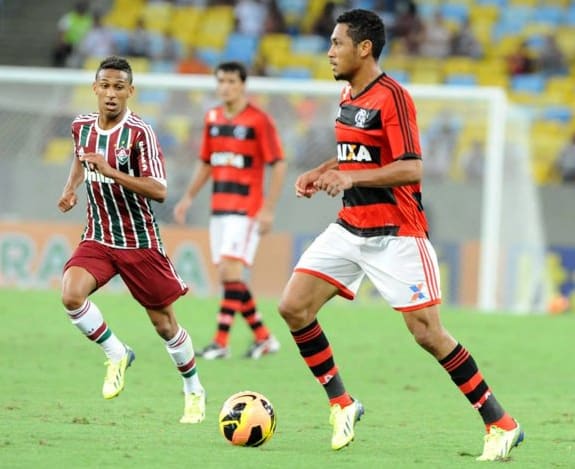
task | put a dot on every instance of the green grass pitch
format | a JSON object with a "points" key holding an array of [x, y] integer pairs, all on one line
{"points": [[53, 416]]}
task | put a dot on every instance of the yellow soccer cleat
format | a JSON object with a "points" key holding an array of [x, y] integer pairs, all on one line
{"points": [[343, 421], [499, 443], [195, 408], [116, 375]]}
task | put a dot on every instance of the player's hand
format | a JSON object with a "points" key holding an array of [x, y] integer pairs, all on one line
{"points": [[333, 182], [67, 201], [180, 210], [97, 162], [304, 184], [265, 219]]}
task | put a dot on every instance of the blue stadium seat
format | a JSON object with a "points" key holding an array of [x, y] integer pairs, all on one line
{"points": [[121, 39], [295, 72], [241, 47], [461, 79], [309, 44], [499, 3], [557, 113], [209, 56], [455, 12], [401, 76], [533, 83], [549, 14]]}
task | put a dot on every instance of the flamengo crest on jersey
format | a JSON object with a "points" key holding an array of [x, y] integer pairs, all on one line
{"points": [[374, 129], [117, 216]]}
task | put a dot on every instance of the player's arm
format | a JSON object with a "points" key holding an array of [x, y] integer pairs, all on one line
{"points": [[145, 186], [202, 174], [69, 199], [266, 214]]}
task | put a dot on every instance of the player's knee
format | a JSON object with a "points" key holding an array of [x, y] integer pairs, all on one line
{"points": [[165, 328], [72, 300], [294, 313]]}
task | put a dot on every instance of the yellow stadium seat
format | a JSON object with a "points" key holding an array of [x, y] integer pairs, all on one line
{"points": [[426, 76], [487, 13], [184, 23], [124, 13], [214, 27], [566, 40], [459, 65], [139, 64], [157, 16], [59, 150], [273, 46]]}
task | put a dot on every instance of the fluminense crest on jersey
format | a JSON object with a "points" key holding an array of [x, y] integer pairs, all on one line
{"points": [[122, 155]]}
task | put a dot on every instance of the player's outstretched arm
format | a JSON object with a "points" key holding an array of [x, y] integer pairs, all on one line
{"points": [[201, 175], [68, 199], [265, 216]]}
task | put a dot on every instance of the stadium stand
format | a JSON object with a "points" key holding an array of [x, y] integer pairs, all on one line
{"points": [[499, 26]]}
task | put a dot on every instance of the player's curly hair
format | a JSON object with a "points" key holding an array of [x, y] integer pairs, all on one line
{"points": [[116, 63], [365, 25]]}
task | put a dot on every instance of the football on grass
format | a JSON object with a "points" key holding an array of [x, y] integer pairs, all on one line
{"points": [[247, 419]]}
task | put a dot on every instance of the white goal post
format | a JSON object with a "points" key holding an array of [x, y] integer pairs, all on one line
{"points": [[498, 231]]}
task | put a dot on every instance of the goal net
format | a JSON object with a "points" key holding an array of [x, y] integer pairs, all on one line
{"points": [[485, 217]]}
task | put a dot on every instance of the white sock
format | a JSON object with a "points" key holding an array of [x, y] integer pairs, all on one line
{"points": [[181, 351], [90, 321]]}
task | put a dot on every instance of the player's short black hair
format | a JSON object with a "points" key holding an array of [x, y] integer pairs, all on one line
{"points": [[234, 66], [116, 63], [365, 25]]}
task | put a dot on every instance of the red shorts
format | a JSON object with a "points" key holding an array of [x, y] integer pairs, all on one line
{"points": [[148, 274]]}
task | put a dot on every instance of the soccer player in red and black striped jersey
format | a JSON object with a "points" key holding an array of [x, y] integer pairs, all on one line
{"points": [[380, 232], [239, 140], [118, 157]]}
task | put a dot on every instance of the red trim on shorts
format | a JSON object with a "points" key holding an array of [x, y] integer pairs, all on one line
{"points": [[342, 289], [417, 307]]}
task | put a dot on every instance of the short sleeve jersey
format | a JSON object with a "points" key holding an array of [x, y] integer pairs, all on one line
{"points": [[373, 129], [117, 216], [238, 150]]}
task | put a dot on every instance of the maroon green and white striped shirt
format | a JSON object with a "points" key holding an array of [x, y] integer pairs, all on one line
{"points": [[117, 216]]}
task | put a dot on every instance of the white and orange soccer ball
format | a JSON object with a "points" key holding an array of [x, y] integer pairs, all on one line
{"points": [[247, 419]]}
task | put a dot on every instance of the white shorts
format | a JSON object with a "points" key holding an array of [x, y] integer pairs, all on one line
{"points": [[235, 237], [403, 269]]}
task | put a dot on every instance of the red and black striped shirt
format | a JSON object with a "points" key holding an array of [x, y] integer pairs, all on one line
{"points": [[238, 150], [374, 129]]}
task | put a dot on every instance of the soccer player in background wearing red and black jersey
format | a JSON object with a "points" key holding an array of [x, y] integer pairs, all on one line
{"points": [[239, 140], [118, 157], [380, 232]]}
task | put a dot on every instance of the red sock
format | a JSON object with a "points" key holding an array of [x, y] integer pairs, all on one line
{"points": [[505, 423]]}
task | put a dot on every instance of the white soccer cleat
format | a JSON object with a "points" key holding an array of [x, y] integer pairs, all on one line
{"points": [[115, 379], [194, 408], [499, 443], [263, 347], [343, 421]]}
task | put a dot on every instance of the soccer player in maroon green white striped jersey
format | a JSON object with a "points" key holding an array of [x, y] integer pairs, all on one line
{"points": [[118, 157]]}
